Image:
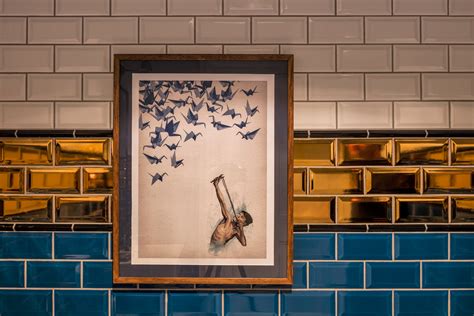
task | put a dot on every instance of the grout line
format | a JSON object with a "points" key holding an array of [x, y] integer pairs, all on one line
{"points": [[307, 274], [449, 246], [336, 292], [53, 250], [53, 312], [393, 246], [109, 297], [166, 302], [449, 302], [81, 275], [365, 275], [25, 273], [336, 250], [393, 302], [421, 274], [279, 303], [222, 302]]}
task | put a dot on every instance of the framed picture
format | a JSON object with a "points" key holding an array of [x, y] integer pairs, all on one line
{"points": [[203, 169]]}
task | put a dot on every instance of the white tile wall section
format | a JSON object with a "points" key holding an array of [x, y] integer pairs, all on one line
{"points": [[231, 30], [461, 58], [392, 86], [423, 58], [82, 115], [364, 58], [301, 87], [279, 30], [312, 58], [73, 58], [12, 30], [307, 7], [251, 49], [167, 30], [111, 30], [26, 58], [42, 87], [456, 30], [453, 86], [97, 87], [364, 7], [315, 115], [27, 7], [55, 30], [26, 115], [392, 30], [420, 7], [13, 87], [82, 7], [250, 7], [201, 7], [461, 7], [364, 115], [138, 7], [418, 115], [336, 29], [194, 49], [336, 87], [462, 115]]}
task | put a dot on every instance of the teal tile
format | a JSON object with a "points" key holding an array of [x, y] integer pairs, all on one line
{"points": [[53, 274], [462, 303], [81, 246], [448, 275], [251, 303], [421, 303], [364, 303], [387, 275], [12, 274], [299, 275], [462, 246], [308, 303], [81, 303], [26, 303], [194, 303], [336, 275], [138, 303], [20, 245], [314, 246], [97, 274], [366, 246], [421, 246]]}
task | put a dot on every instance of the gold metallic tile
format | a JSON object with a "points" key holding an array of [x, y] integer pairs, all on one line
{"points": [[82, 209], [414, 209], [98, 180], [421, 152], [25, 209], [82, 151], [299, 181], [11, 180], [364, 210], [462, 209], [313, 210], [58, 180], [462, 151], [357, 152], [314, 152], [448, 180], [26, 151], [336, 181], [392, 180]]}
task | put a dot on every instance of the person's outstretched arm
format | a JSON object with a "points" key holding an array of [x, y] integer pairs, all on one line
{"points": [[240, 235], [224, 210]]}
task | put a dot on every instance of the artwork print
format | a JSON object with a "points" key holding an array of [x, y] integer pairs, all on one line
{"points": [[202, 169]]}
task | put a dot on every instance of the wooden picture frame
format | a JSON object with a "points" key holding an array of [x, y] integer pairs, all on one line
{"points": [[180, 122]]}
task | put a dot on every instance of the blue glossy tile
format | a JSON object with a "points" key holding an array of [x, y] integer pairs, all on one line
{"points": [[80, 303], [299, 275], [97, 274], [368, 246], [255, 303], [53, 274], [25, 245], [197, 303], [336, 275], [462, 303], [448, 274], [138, 303], [81, 245], [366, 303], [12, 274], [311, 303], [387, 275], [462, 246], [26, 303], [421, 246], [421, 303], [314, 246]]}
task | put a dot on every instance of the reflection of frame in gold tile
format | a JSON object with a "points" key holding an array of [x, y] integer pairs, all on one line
{"points": [[462, 151], [358, 152], [392, 180], [364, 210], [335, 181], [17, 151], [421, 152], [421, 209]]}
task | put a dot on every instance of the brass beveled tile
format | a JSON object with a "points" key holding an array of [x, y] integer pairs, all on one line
{"points": [[392, 180], [299, 180], [421, 152], [314, 152], [98, 180], [82, 209], [11, 180], [462, 151], [57, 180], [83, 151], [462, 209], [357, 152], [418, 209], [19, 151], [448, 180], [25, 209], [313, 210], [336, 181], [364, 210]]}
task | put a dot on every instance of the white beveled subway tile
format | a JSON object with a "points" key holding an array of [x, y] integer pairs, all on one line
{"points": [[24, 58], [251, 49], [82, 7], [462, 115], [461, 58], [315, 115], [336, 87], [12, 87], [135, 49], [312, 58], [336, 30], [27, 7], [392, 86], [364, 115], [300, 87], [307, 7], [251, 7], [138, 7], [447, 30], [392, 30], [286, 30], [98, 87], [110, 30], [82, 115], [229, 30], [461, 7], [194, 49], [449, 86], [26, 115], [167, 30], [12, 30], [364, 7], [45, 87], [420, 7], [55, 30], [421, 115], [364, 58], [90, 58], [201, 7], [421, 58]]}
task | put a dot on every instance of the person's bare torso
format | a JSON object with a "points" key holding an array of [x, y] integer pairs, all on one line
{"points": [[223, 233]]}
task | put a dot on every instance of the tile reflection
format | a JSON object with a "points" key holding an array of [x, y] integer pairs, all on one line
{"points": [[421, 152], [313, 152], [393, 180], [299, 181], [11, 180], [80, 151], [26, 151], [98, 180], [448, 180], [364, 209], [462, 209], [364, 152], [462, 151], [59, 180], [82, 209], [412, 209], [336, 181], [311, 210], [25, 209]]}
